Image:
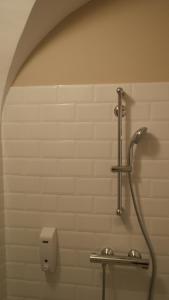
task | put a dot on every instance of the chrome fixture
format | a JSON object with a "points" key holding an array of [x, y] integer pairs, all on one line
{"points": [[116, 110], [123, 169], [120, 112], [105, 252], [133, 258], [128, 170], [137, 135], [134, 140], [134, 253]]}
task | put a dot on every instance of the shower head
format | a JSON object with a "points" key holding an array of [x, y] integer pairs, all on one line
{"points": [[134, 141], [138, 135]]}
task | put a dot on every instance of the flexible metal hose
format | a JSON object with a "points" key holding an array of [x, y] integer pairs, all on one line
{"points": [[103, 281], [147, 240]]}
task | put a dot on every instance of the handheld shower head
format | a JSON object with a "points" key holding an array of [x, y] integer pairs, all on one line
{"points": [[137, 135], [135, 140]]}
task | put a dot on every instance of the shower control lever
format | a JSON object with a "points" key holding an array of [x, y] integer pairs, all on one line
{"points": [[111, 259]]}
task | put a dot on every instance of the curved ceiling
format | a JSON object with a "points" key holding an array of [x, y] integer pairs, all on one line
{"points": [[39, 19], [13, 16]]}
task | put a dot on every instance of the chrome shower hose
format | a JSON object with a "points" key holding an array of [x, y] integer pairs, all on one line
{"points": [[147, 240]]}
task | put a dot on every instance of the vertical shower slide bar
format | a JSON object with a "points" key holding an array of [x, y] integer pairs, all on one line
{"points": [[119, 114]]}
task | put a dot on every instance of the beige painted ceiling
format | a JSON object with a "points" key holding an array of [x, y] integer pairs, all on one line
{"points": [[23, 24]]}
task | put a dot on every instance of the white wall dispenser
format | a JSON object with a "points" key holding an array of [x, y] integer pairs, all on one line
{"points": [[48, 249]]}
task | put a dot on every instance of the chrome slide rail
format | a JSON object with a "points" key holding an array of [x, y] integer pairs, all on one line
{"points": [[119, 112]]}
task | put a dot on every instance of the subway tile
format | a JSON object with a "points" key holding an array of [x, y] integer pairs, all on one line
{"points": [[150, 91], [23, 254], [76, 167], [164, 288], [93, 186], [57, 186], [16, 131], [48, 167], [60, 149], [58, 112], [59, 291], [75, 93], [105, 205], [94, 223], [21, 149], [159, 111], [93, 149], [15, 270], [15, 236], [76, 276], [14, 201], [104, 131], [77, 240], [22, 201], [82, 259], [155, 207], [161, 150], [23, 219], [48, 203], [84, 131], [120, 226], [24, 288], [57, 131], [22, 184], [102, 168], [15, 166], [21, 113], [66, 131], [119, 243], [160, 188], [140, 111], [163, 263], [159, 130], [22, 237], [104, 93], [40, 95], [75, 204], [153, 169], [94, 112], [68, 257], [61, 221], [33, 272], [159, 226], [161, 245]]}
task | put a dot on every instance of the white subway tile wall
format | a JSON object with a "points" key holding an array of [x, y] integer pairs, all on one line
{"points": [[2, 238], [59, 144]]}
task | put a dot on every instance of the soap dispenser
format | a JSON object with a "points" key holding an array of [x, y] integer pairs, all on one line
{"points": [[48, 249]]}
